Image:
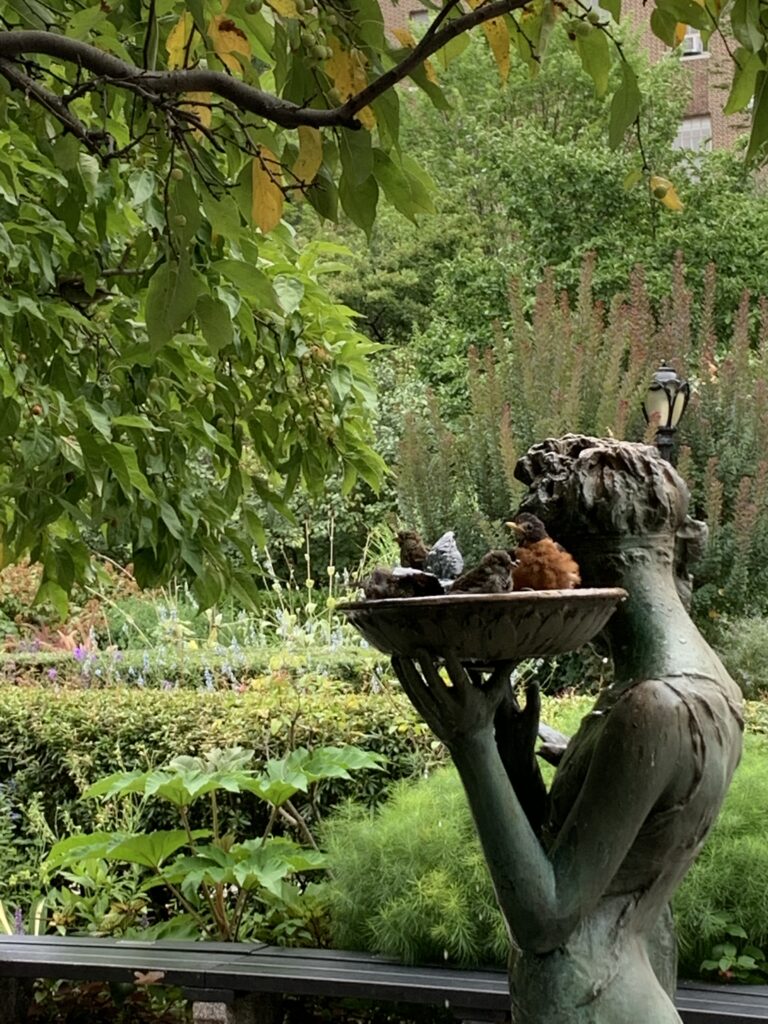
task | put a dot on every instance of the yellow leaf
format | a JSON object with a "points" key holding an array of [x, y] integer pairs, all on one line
{"points": [[680, 30], [406, 38], [346, 69], [178, 39], [498, 39], [285, 8], [310, 155], [199, 104], [227, 40], [267, 201], [664, 191]]}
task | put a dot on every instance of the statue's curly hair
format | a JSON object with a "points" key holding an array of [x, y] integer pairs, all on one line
{"points": [[600, 488]]}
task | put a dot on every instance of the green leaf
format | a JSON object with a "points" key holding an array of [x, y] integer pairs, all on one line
{"points": [[359, 201], [356, 155], [664, 26], [632, 179], [290, 292], [10, 417], [745, 20], [759, 134], [117, 784], [744, 80], [251, 283], [613, 7], [625, 106], [687, 12], [50, 592], [80, 847], [150, 849], [171, 297], [595, 56], [215, 322]]}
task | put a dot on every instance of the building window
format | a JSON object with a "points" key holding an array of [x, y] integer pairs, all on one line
{"points": [[693, 45], [694, 133]]}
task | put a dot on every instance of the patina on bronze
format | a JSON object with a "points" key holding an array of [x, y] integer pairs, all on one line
{"points": [[584, 873]]}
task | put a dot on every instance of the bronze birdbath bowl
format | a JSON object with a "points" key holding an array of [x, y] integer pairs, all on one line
{"points": [[485, 628]]}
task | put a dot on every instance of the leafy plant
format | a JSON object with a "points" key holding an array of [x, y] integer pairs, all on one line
{"points": [[736, 959], [228, 886]]}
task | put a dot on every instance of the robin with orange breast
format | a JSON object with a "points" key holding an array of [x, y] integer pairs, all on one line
{"points": [[542, 563]]}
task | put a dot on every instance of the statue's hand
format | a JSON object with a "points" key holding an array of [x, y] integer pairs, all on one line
{"points": [[517, 727], [465, 708]]}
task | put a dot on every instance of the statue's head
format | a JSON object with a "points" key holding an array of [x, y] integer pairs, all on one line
{"points": [[600, 493]]}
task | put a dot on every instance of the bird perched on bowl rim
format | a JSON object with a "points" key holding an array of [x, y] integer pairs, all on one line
{"points": [[492, 576], [542, 563], [413, 550]]}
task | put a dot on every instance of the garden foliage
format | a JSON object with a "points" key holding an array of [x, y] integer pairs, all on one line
{"points": [[410, 881], [584, 367]]}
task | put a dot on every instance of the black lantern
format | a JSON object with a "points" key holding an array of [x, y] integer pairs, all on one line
{"points": [[664, 404]]}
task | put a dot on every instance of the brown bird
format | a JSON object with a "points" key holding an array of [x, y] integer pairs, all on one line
{"points": [[542, 563], [492, 576], [413, 550], [382, 584]]}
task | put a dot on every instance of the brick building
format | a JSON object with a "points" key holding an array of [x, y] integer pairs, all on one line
{"points": [[704, 125]]}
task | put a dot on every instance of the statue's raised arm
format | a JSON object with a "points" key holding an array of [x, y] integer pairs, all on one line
{"points": [[584, 885]]}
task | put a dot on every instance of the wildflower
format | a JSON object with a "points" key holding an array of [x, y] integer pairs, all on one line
{"points": [[52, 674], [309, 583], [208, 677], [331, 570], [18, 922], [79, 653]]}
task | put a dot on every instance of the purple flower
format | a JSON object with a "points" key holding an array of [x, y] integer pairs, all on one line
{"points": [[18, 922], [52, 674], [79, 653]]}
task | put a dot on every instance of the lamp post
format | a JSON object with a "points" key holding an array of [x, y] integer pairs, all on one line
{"points": [[664, 404]]}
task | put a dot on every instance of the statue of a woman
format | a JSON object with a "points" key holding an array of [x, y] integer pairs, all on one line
{"points": [[584, 874]]}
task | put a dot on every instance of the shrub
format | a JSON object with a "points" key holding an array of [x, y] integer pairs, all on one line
{"points": [[409, 880], [55, 743], [743, 646]]}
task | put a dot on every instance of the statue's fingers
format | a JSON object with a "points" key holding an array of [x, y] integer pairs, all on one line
{"points": [[457, 673], [532, 700], [414, 686]]}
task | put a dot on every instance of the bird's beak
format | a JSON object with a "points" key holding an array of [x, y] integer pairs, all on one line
{"points": [[516, 527]]}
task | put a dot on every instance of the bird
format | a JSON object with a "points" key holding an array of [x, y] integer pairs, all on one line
{"points": [[383, 583], [542, 563], [444, 558], [492, 576], [413, 550]]}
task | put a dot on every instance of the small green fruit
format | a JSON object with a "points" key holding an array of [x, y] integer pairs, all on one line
{"points": [[660, 191], [177, 174], [180, 220]]}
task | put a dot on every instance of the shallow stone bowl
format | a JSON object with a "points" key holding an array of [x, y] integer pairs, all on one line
{"points": [[486, 628]]}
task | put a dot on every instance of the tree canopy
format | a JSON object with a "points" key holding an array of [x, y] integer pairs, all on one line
{"points": [[171, 360]]}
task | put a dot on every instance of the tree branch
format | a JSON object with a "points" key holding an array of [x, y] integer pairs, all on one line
{"points": [[18, 79], [245, 97]]}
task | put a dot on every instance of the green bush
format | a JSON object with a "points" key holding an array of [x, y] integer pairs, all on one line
{"points": [[56, 742], [409, 879], [743, 646]]}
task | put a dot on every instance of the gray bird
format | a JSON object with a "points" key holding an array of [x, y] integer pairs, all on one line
{"points": [[492, 576], [444, 558]]}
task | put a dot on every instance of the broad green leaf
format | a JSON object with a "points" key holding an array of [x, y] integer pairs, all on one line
{"points": [[613, 7], [688, 12], [252, 283], [744, 80], [150, 849], [745, 20], [359, 201], [10, 417], [171, 298], [595, 56], [118, 784], [625, 106], [80, 847], [356, 152], [50, 592], [215, 322], [759, 134], [289, 291]]}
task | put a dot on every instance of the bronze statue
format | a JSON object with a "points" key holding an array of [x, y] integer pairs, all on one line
{"points": [[584, 873]]}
